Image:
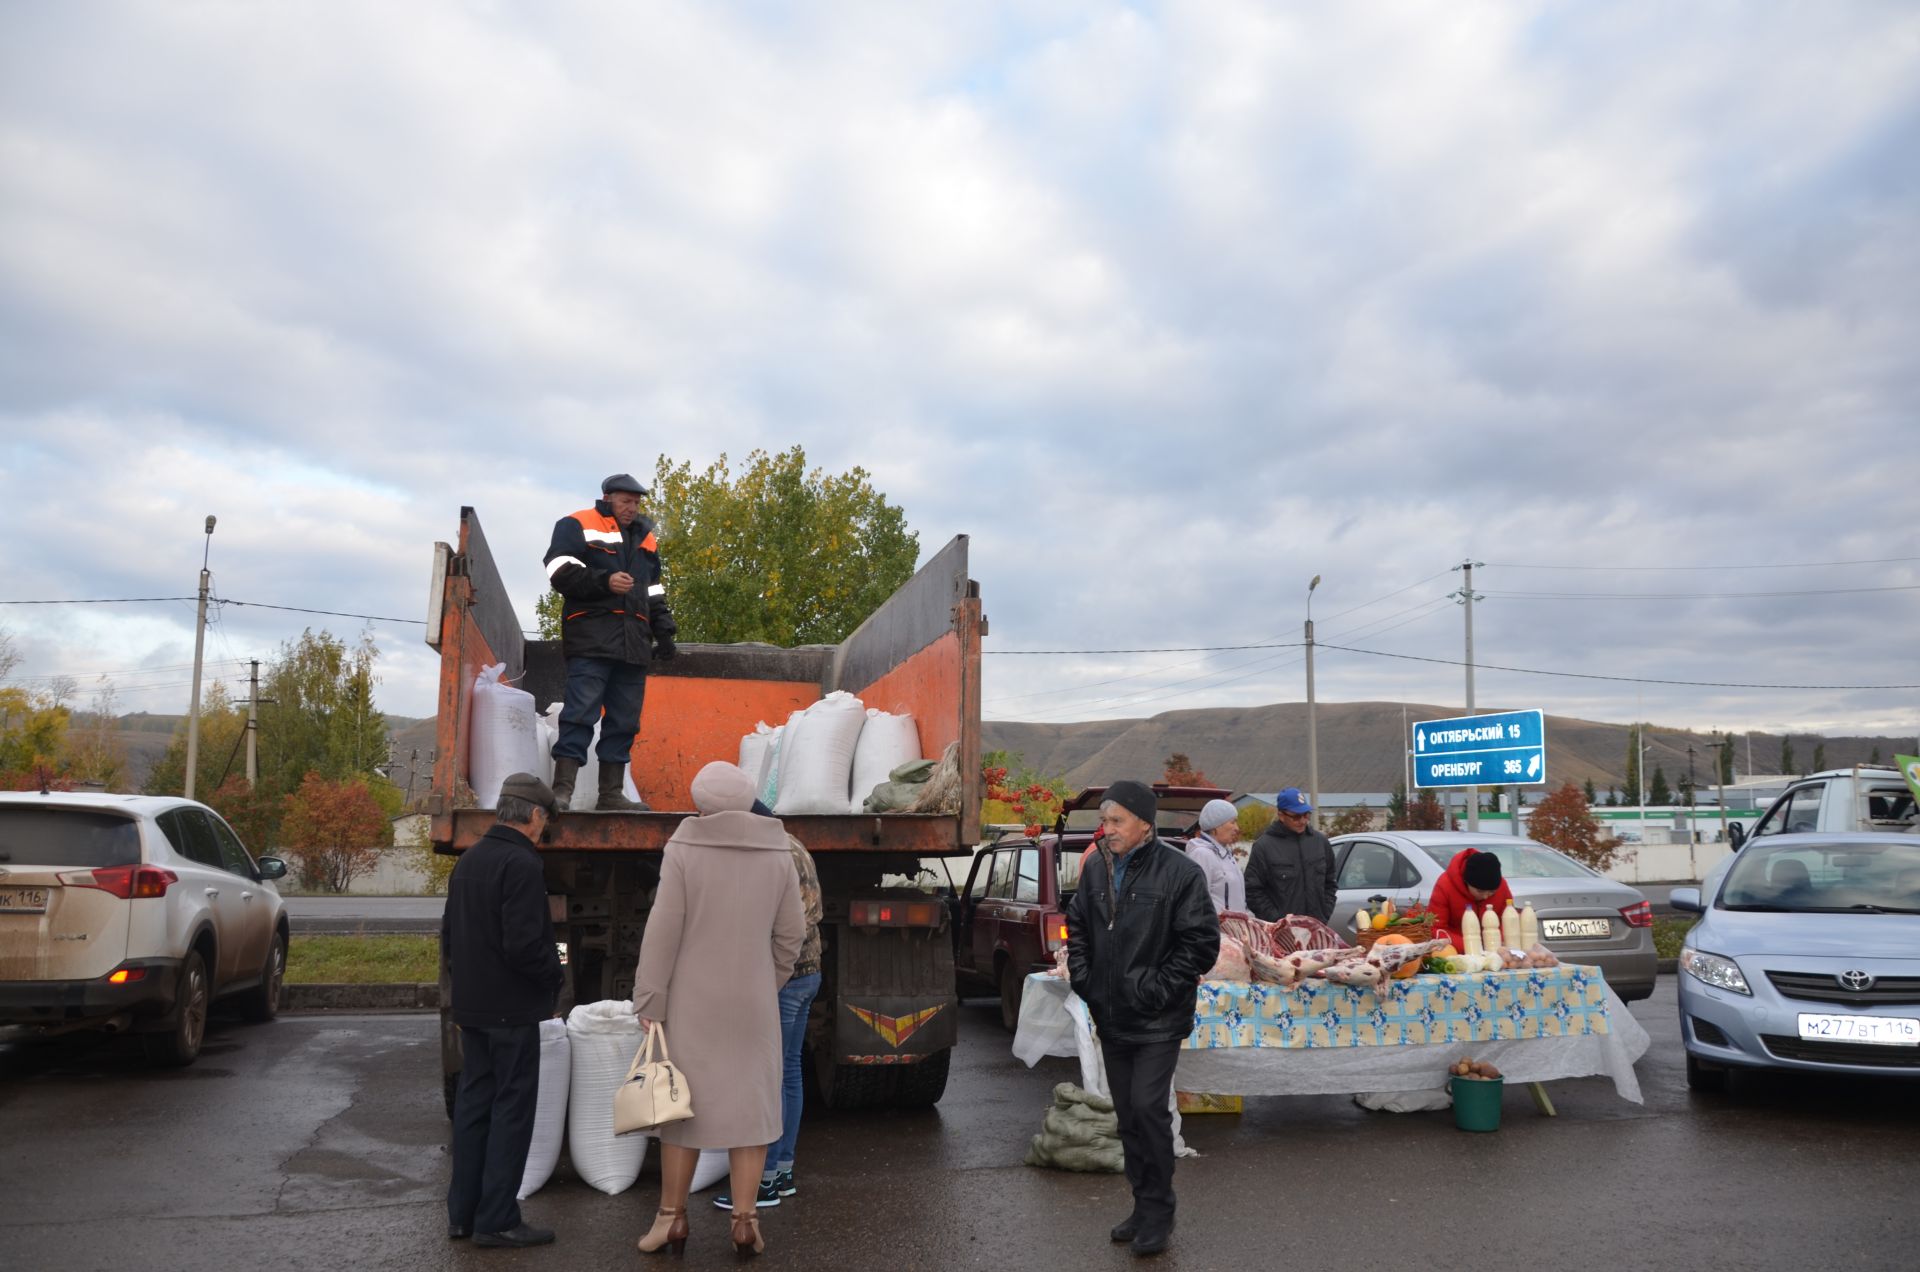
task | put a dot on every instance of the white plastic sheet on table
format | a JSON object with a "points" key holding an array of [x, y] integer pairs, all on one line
{"points": [[1049, 1026], [1061, 1024]]}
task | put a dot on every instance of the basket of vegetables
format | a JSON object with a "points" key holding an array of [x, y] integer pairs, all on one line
{"points": [[1415, 924]]}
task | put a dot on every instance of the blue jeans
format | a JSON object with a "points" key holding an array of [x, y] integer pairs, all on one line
{"points": [[592, 683], [795, 997]]}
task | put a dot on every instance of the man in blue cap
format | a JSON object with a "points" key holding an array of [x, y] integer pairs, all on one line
{"points": [[1290, 870], [614, 621]]}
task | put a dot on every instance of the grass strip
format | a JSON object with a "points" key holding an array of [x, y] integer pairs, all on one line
{"points": [[1669, 930], [363, 960]]}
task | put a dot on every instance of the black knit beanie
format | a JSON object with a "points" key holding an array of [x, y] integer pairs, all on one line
{"points": [[1483, 871], [1136, 797]]}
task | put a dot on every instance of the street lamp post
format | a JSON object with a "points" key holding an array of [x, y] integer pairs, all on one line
{"points": [[1313, 735]]}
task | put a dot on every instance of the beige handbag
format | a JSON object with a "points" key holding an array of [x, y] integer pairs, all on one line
{"points": [[655, 1091]]}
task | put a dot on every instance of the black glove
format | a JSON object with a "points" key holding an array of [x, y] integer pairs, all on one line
{"points": [[664, 649]]}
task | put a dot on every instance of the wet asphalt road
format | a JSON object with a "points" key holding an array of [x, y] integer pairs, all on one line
{"points": [[319, 1142]]}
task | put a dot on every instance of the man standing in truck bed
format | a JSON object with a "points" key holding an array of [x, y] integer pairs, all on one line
{"points": [[614, 620]]}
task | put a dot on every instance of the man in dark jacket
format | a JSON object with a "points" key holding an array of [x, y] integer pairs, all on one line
{"points": [[1290, 870], [605, 563], [1141, 932], [496, 936]]}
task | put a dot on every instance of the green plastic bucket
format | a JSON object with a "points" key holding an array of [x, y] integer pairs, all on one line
{"points": [[1476, 1103]]}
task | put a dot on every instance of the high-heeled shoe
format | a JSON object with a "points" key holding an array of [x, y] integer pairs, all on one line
{"points": [[747, 1240], [669, 1229]]}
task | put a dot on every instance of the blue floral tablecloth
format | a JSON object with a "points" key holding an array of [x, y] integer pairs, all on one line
{"points": [[1559, 1002]]}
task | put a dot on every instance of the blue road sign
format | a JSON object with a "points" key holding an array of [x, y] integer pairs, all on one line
{"points": [[1507, 749]]}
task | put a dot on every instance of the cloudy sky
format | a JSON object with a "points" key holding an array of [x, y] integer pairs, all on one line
{"points": [[1170, 307]]}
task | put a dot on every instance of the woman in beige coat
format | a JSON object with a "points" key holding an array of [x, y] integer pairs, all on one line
{"points": [[721, 939]]}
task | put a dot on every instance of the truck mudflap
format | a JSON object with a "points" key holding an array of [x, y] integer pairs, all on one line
{"points": [[895, 1030]]}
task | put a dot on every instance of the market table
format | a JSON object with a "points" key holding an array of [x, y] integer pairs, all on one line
{"points": [[1316, 1038]]}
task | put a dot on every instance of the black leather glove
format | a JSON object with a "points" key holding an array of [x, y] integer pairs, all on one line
{"points": [[664, 649]]}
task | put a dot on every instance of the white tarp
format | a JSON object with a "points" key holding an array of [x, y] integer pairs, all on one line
{"points": [[1048, 1028]]}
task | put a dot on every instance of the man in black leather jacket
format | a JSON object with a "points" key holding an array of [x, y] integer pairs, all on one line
{"points": [[1141, 932]]}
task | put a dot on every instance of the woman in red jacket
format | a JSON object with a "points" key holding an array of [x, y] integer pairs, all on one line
{"points": [[1471, 885]]}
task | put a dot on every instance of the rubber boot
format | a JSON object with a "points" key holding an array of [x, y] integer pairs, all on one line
{"points": [[564, 771], [612, 799]]}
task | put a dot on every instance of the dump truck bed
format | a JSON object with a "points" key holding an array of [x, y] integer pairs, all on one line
{"points": [[918, 654]]}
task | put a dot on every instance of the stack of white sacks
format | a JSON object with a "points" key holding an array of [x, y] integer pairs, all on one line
{"points": [[582, 1062], [828, 758]]}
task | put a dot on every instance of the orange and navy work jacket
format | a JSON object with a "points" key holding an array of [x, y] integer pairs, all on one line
{"points": [[588, 549]]}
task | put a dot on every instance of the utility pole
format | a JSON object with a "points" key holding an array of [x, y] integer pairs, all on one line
{"points": [[199, 652], [1720, 781], [1466, 598], [253, 724], [1406, 755], [1313, 734]]}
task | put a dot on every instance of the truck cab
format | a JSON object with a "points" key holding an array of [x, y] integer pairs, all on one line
{"points": [[1011, 914], [1840, 801]]}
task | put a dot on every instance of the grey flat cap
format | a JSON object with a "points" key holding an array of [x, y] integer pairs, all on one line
{"points": [[530, 788]]}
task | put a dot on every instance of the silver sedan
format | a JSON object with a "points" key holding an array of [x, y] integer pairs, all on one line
{"points": [[1585, 917]]}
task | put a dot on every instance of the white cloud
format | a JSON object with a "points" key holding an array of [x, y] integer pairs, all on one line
{"points": [[1171, 309]]}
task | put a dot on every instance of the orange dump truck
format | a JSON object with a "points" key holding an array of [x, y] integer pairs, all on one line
{"points": [[884, 1024]]}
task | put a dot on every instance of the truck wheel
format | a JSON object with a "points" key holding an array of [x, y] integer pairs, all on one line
{"points": [[920, 1086], [262, 1003], [180, 1044], [1012, 985], [851, 1086]]}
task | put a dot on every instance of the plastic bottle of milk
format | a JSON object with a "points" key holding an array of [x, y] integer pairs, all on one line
{"points": [[1490, 930]]}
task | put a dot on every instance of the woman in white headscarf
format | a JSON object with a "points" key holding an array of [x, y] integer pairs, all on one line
{"points": [[722, 937], [1212, 847]]}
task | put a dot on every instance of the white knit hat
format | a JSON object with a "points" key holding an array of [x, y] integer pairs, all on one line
{"points": [[1217, 813]]}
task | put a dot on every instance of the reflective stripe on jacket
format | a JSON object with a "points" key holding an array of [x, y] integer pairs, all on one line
{"points": [[589, 548]]}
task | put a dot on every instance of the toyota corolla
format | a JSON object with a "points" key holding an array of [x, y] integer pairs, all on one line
{"points": [[1806, 956]]}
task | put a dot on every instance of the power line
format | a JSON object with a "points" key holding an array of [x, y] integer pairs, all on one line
{"points": [[1785, 565], [1692, 596], [1220, 677], [103, 600], [1590, 675], [296, 609]]}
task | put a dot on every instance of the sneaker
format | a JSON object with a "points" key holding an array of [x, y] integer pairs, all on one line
{"points": [[784, 1185], [769, 1195]]}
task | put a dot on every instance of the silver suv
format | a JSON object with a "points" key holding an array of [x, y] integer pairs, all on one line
{"points": [[133, 913]]}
